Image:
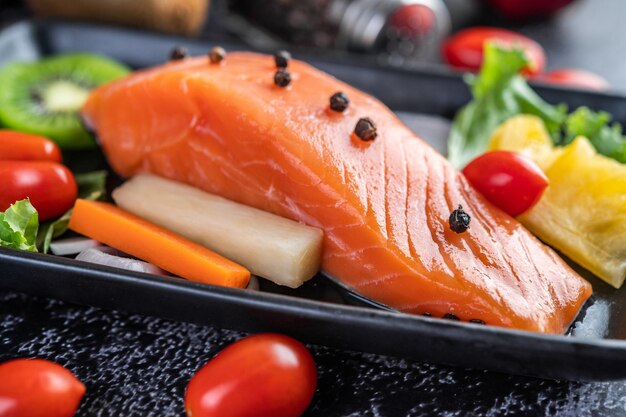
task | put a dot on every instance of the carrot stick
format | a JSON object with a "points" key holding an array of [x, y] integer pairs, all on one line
{"points": [[280, 250], [128, 233]]}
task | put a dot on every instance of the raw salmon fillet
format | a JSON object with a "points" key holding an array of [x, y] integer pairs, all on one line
{"points": [[384, 205]]}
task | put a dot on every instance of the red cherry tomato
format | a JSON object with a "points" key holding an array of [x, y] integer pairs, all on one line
{"points": [[575, 78], [38, 388], [50, 186], [267, 375], [464, 49], [17, 146], [523, 9], [509, 180]]}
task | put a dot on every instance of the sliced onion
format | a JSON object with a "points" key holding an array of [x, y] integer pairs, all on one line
{"points": [[253, 284], [100, 256], [72, 245], [112, 251]]}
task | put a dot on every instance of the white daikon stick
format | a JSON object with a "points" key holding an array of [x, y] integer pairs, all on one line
{"points": [[278, 249]]}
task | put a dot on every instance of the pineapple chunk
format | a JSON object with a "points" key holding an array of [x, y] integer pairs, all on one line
{"points": [[527, 135], [583, 211]]}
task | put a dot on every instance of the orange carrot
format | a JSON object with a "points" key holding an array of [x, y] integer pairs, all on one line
{"points": [[128, 233]]}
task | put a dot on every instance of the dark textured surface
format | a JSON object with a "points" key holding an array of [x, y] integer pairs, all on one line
{"points": [[139, 366]]}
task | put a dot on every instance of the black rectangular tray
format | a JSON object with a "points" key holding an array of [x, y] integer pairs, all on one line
{"points": [[319, 312]]}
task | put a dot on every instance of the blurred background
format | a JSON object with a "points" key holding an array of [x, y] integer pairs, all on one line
{"points": [[577, 41]]}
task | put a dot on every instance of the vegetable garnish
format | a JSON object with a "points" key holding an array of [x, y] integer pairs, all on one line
{"points": [[281, 250], [572, 77], [72, 245], [18, 146], [50, 186], [257, 376], [501, 93], [606, 138], [509, 180], [91, 186], [459, 220], [103, 255], [465, 49], [217, 55], [18, 226], [130, 234], [37, 387], [583, 212]]}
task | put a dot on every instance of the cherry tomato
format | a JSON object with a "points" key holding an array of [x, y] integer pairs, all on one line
{"points": [[267, 375], [523, 9], [509, 180], [575, 78], [38, 388], [464, 49], [17, 146], [50, 186]]}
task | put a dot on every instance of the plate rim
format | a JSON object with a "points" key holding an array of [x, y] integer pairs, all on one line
{"points": [[8, 255]]}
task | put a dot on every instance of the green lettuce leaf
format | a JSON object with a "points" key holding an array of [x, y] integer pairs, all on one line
{"points": [[605, 137], [91, 186], [18, 226], [499, 93]]}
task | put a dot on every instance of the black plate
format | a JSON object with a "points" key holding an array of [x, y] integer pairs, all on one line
{"points": [[319, 312]]}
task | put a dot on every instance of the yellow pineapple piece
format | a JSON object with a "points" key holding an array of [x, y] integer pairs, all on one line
{"points": [[583, 211], [527, 135]]}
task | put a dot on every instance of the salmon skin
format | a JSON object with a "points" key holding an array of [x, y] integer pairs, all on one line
{"points": [[384, 205]]}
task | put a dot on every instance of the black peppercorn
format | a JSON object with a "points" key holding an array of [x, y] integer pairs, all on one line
{"points": [[217, 55], [459, 220], [339, 102], [477, 321], [282, 78], [450, 316], [365, 129], [282, 59], [178, 53]]}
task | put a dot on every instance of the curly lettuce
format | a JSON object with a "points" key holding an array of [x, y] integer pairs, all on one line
{"points": [[500, 92], [18, 226]]}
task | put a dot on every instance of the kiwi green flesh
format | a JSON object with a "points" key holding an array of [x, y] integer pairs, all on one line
{"points": [[45, 97], [61, 96]]}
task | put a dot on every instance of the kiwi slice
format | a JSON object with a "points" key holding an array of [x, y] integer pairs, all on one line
{"points": [[45, 97]]}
